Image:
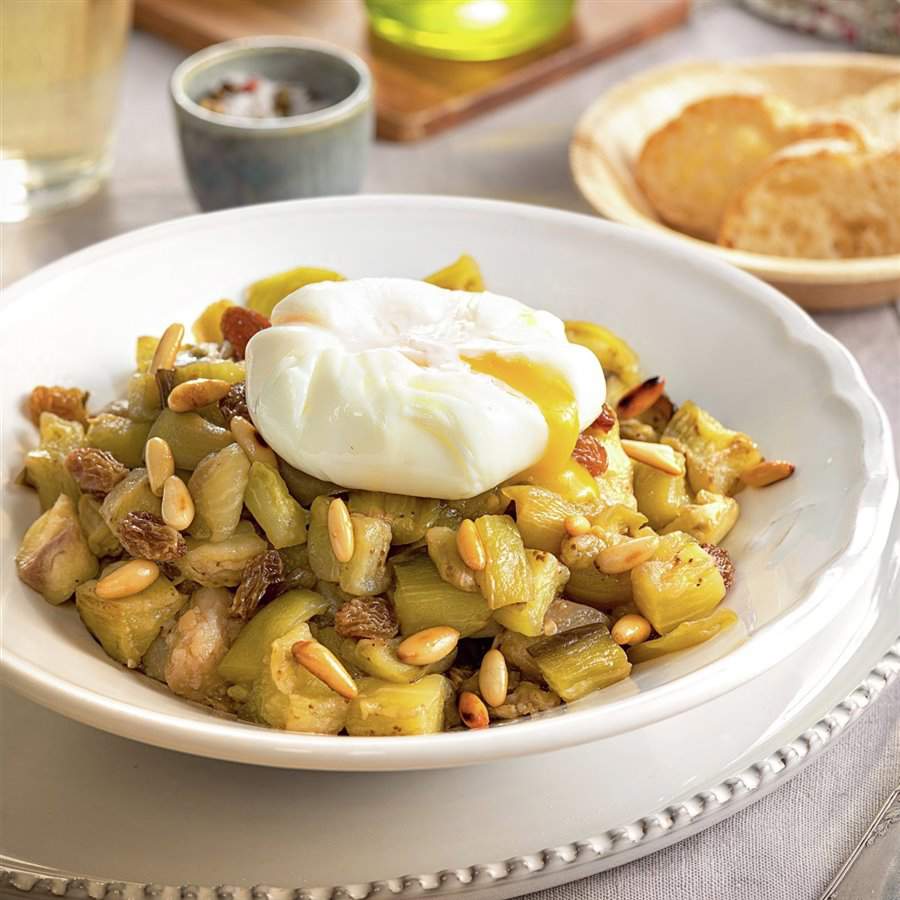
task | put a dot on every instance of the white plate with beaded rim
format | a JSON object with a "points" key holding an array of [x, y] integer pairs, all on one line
{"points": [[719, 336]]}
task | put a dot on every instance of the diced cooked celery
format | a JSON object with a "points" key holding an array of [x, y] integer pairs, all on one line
{"points": [[423, 599], [143, 397], [383, 708], [321, 557], [127, 626], [659, 495], [54, 557], [540, 516], [118, 435], [505, 578], [365, 573], [409, 517], [264, 295], [564, 615], [244, 660], [442, 549], [279, 515], [579, 661], [217, 487], [617, 521], [708, 519], [287, 696], [687, 634], [680, 583], [598, 589], [190, 436], [60, 435], [304, 488], [548, 576], [144, 349], [100, 539], [462, 275], [221, 563], [716, 455], [131, 494], [208, 327], [616, 484], [46, 472], [230, 370]]}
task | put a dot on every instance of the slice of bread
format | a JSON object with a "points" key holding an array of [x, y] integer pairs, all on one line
{"points": [[878, 109], [819, 200], [690, 168]]}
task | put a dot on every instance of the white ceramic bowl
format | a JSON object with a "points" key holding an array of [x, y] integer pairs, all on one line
{"points": [[802, 548]]}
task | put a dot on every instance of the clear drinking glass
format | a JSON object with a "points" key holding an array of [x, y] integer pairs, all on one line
{"points": [[59, 79]]}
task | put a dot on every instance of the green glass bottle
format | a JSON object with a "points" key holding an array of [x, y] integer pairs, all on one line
{"points": [[469, 29]]}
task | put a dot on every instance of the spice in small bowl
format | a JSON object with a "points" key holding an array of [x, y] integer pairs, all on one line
{"points": [[259, 97]]}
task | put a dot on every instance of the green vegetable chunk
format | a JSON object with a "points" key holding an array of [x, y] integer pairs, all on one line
{"points": [[462, 275], [680, 583], [444, 553], [46, 472], [540, 515], [687, 634], [131, 494], [579, 661], [365, 573], [548, 576], [659, 496], [265, 294], [143, 397], [190, 436], [224, 369], [304, 488], [321, 557], [409, 517], [100, 539], [384, 709], [423, 599], [118, 435], [279, 515], [506, 578], [598, 589], [708, 520], [221, 563], [126, 627], [59, 434], [54, 557], [244, 660], [217, 487]]}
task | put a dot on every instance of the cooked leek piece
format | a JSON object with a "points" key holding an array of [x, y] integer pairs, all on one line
{"points": [[131, 494], [409, 517], [264, 295], [659, 495], [304, 488], [383, 708], [208, 327], [514, 647], [100, 539], [144, 402], [365, 573], [687, 634], [540, 516], [490, 503], [229, 370], [144, 349], [548, 576], [579, 661], [190, 436], [59, 434], [708, 520], [118, 435], [422, 599], [279, 515], [615, 485], [598, 589], [564, 615], [716, 455], [442, 549], [287, 696], [221, 563], [506, 577], [379, 658], [243, 662], [54, 557], [217, 487], [321, 556], [462, 275], [619, 361], [46, 472], [126, 627], [679, 584]]}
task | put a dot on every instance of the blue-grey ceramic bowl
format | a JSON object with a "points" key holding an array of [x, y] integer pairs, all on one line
{"points": [[238, 160]]}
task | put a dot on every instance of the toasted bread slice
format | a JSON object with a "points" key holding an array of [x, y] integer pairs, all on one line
{"points": [[819, 200], [690, 168], [878, 109]]}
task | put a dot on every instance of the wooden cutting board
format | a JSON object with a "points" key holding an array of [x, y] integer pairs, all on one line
{"points": [[418, 95]]}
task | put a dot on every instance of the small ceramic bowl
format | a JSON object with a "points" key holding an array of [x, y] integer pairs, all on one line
{"points": [[237, 160]]}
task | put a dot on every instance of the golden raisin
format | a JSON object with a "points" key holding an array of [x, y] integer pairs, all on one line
{"points": [[239, 325], [67, 403], [144, 535], [591, 454], [258, 576], [366, 617], [605, 420], [95, 471]]}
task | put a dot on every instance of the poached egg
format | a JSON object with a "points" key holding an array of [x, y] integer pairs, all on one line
{"points": [[391, 384]]}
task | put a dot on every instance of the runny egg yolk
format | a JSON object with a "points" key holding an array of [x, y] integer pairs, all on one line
{"points": [[554, 397]]}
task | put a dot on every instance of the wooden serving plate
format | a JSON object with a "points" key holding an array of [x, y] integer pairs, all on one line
{"points": [[612, 131]]}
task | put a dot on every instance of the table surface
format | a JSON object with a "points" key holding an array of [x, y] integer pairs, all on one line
{"points": [[787, 845]]}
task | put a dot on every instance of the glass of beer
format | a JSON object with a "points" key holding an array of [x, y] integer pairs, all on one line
{"points": [[59, 78]]}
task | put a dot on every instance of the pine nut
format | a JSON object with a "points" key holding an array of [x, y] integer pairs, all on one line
{"points": [[630, 630], [470, 547], [472, 711], [577, 525], [657, 456], [251, 442], [340, 530], [493, 678], [428, 646], [639, 399], [167, 348], [550, 627], [177, 504], [318, 660], [197, 392], [160, 463], [625, 556], [768, 472], [132, 578]]}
